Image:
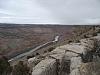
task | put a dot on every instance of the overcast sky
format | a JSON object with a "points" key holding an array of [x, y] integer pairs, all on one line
{"points": [[50, 11]]}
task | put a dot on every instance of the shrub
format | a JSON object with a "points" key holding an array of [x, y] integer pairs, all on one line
{"points": [[70, 41], [94, 34], [21, 69], [37, 54], [50, 49], [30, 56], [5, 68]]}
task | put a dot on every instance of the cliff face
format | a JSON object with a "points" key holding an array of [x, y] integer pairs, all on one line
{"points": [[81, 58]]}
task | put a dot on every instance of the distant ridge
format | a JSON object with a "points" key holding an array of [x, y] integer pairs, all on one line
{"points": [[9, 25], [28, 25]]}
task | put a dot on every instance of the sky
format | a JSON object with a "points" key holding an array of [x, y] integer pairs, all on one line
{"points": [[50, 11]]}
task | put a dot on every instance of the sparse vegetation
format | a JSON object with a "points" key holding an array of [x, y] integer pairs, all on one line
{"points": [[70, 41], [80, 32], [21, 69], [5, 68], [50, 49], [30, 56], [92, 68], [37, 54]]}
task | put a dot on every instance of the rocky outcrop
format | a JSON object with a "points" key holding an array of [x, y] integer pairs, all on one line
{"points": [[75, 63], [72, 59], [32, 62], [75, 72], [46, 67]]}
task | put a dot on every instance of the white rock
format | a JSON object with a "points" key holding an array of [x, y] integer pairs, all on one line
{"points": [[45, 67], [75, 63], [75, 72]]}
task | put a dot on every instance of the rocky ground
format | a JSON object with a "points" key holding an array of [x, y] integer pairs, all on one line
{"points": [[80, 56], [71, 59]]}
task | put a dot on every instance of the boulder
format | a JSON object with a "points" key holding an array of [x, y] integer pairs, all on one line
{"points": [[72, 50], [59, 55], [75, 72], [90, 48], [45, 67], [31, 62], [75, 63]]}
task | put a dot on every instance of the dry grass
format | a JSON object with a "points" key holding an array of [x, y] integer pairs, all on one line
{"points": [[92, 68]]}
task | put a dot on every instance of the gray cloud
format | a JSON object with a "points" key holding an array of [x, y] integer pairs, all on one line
{"points": [[50, 11]]}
